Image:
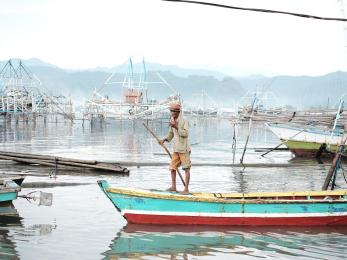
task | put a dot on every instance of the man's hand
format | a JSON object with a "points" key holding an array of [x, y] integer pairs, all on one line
{"points": [[161, 142], [173, 123]]}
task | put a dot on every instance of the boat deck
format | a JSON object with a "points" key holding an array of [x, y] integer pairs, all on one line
{"points": [[307, 196]]}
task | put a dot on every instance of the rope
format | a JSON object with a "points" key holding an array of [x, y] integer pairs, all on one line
{"points": [[260, 10], [343, 172], [335, 173], [338, 166]]}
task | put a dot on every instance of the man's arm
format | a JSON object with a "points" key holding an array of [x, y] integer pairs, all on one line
{"points": [[183, 129], [168, 138], [170, 135]]}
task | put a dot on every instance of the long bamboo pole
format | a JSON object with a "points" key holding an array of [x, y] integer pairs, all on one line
{"points": [[166, 150], [284, 142], [249, 129]]}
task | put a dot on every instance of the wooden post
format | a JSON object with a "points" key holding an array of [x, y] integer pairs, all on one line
{"points": [[234, 143], [249, 129], [332, 169]]}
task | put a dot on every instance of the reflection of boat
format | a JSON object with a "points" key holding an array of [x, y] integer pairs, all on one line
{"points": [[311, 208], [146, 240], [8, 210], [305, 142], [9, 188], [8, 220]]}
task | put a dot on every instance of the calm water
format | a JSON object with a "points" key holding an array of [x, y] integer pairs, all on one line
{"points": [[83, 224]]}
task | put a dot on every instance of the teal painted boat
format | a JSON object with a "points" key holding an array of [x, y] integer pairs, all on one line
{"points": [[309, 208], [9, 188]]}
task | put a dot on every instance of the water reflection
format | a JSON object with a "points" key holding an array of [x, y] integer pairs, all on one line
{"points": [[141, 241], [73, 217], [129, 141], [9, 219]]}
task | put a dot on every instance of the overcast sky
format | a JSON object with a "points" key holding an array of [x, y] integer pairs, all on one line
{"points": [[89, 33]]}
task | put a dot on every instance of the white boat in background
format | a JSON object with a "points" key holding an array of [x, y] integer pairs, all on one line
{"points": [[306, 141]]}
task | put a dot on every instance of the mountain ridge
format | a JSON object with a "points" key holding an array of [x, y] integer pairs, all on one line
{"points": [[298, 91]]}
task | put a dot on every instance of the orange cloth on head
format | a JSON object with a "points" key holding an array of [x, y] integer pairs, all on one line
{"points": [[175, 107]]}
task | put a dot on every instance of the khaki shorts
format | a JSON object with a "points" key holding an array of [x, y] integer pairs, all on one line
{"points": [[179, 159]]}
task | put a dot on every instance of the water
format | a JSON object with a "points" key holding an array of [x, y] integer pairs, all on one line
{"points": [[83, 224]]}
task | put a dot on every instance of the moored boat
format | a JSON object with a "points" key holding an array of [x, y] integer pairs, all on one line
{"points": [[9, 188], [306, 142], [311, 208]]}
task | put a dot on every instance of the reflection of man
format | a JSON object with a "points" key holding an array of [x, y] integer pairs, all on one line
{"points": [[181, 147]]}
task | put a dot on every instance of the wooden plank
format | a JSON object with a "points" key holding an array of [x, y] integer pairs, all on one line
{"points": [[66, 165], [46, 157]]}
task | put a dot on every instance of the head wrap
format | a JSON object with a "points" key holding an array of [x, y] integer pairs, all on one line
{"points": [[175, 107]]}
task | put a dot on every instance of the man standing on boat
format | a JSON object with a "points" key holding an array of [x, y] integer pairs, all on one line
{"points": [[181, 148]]}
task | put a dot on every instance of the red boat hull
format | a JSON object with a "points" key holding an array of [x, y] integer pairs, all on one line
{"points": [[236, 221]]}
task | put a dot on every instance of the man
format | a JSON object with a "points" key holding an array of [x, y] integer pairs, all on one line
{"points": [[181, 148]]}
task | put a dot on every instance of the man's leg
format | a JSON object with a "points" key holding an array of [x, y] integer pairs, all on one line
{"points": [[173, 181], [186, 164], [186, 180], [175, 162]]}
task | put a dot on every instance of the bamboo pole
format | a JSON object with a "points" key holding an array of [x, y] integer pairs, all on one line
{"points": [[167, 151], [249, 129], [284, 142]]}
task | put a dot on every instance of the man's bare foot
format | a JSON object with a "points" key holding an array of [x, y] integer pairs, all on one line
{"points": [[185, 192], [171, 189]]}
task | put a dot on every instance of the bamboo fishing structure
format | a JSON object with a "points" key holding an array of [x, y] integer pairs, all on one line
{"points": [[134, 103], [325, 117], [22, 95], [63, 163]]}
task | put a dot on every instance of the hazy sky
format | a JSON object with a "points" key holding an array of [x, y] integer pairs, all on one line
{"points": [[89, 33]]}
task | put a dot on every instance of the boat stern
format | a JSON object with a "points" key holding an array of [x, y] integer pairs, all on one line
{"points": [[9, 191]]}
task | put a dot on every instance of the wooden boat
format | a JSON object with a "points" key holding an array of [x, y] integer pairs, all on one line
{"points": [[9, 188], [306, 142], [311, 208]]}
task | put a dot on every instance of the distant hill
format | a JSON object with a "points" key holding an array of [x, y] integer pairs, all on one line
{"points": [[302, 91], [178, 71], [29, 62], [80, 84], [298, 91]]}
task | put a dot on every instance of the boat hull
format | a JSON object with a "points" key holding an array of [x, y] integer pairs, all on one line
{"points": [[8, 196], [307, 149], [138, 218], [167, 208], [9, 188], [306, 142]]}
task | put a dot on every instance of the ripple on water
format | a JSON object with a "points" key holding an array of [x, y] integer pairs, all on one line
{"points": [[82, 223]]}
